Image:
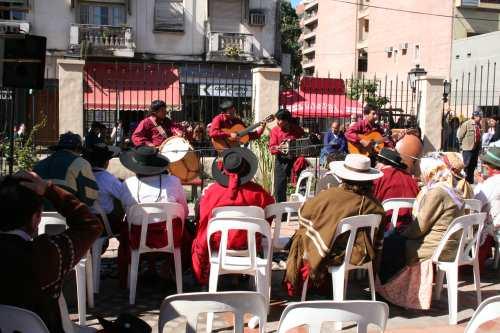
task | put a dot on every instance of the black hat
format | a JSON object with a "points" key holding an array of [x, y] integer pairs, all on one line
{"points": [[391, 157], [68, 140], [283, 114], [100, 152], [157, 105], [125, 323], [144, 160], [236, 160], [227, 104]]}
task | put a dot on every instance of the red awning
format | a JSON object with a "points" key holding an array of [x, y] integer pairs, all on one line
{"points": [[110, 86], [320, 98]]}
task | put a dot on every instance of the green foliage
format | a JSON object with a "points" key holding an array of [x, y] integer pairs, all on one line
{"points": [[366, 90], [290, 33], [265, 172], [232, 51], [24, 153]]}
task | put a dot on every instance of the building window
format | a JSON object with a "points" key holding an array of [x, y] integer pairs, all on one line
{"points": [[416, 53], [102, 14], [13, 10], [367, 25], [395, 56], [169, 15]]}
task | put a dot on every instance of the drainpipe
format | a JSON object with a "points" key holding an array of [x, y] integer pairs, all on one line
{"points": [[453, 9], [356, 32]]}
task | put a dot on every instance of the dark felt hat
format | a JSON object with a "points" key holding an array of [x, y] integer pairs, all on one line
{"points": [[227, 104], [391, 157], [492, 157], [236, 160], [100, 152], [68, 140], [144, 160], [125, 323]]}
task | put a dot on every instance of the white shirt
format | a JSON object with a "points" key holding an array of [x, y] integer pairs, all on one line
{"points": [[109, 187], [147, 190], [488, 192]]}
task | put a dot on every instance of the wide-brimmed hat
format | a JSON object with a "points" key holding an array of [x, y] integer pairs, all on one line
{"points": [[125, 323], [391, 157], [144, 160], [355, 167], [100, 152], [240, 161], [68, 140], [454, 162], [492, 157]]}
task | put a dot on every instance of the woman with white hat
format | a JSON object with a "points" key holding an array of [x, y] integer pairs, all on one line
{"points": [[320, 216]]}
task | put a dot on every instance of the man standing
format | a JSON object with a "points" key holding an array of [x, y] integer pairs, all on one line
{"points": [[155, 129], [333, 142], [285, 131], [469, 137]]}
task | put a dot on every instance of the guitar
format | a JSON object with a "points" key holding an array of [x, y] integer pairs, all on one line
{"points": [[376, 144], [242, 133]]}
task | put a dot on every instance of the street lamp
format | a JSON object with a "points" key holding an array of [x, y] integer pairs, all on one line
{"points": [[414, 74], [446, 90]]}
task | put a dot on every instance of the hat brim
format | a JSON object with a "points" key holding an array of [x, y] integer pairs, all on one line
{"points": [[338, 168], [128, 161], [59, 147], [395, 164], [490, 160], [248, 156]]}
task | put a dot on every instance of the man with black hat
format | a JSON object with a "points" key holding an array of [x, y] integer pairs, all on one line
{"points": [[155, 129], [284, 132], [226, 119], [66, 168], [469, 137], [233, 187]]}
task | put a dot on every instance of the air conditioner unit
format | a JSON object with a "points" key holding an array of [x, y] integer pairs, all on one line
{"points": [[14, 27], [257, 17], [404, 46], [389, 49]]}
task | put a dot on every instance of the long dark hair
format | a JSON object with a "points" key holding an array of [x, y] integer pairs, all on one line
{"points": [[361, 188]]}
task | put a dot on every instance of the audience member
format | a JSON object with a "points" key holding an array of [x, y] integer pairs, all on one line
{"points": [[456, 176], [469, 137], [333, 142], [94, 134], [329, 179]]}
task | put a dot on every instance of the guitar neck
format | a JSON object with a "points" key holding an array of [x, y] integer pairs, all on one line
{"points": [[248, 130]]}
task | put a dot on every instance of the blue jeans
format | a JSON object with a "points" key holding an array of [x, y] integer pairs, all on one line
{"points": [[470, 163]]}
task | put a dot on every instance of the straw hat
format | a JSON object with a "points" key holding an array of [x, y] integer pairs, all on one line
{"points": [[356, 167]]}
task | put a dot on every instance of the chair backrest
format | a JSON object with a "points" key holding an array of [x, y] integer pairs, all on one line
{"points": [[488, 310], [473, 205], [52, 223], [104, 218], [191, 305], [14, 319], [470, 226], [239, 211], [252, 226], [315, 313], [276, 212], [148, 213], [395, 205], [305, 179], [352, 224]]}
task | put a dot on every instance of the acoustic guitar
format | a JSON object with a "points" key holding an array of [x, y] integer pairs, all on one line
{"points": [[376, 144], [242, 133]]}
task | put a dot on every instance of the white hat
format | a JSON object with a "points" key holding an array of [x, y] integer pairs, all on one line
{"points": [[356, 167]]}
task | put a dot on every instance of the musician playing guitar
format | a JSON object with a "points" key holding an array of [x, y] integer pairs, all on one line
{"points": [[226, 120], [285, 131]]}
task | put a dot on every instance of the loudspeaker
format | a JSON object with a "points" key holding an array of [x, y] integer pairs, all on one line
{"points": [[22, 61]]}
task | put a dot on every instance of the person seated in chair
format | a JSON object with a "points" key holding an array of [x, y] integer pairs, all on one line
{"points": [[233, 187], [35, 267]]}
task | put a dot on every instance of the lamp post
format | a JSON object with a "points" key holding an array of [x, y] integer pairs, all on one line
{"points": [[414, 74], [446, 90]]}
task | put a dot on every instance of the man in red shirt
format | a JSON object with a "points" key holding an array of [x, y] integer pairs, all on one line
{"points": [[227, 119], [155, 129], [283, 132], [364, 126]]}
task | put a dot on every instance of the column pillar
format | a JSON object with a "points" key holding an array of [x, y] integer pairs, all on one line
{"points": [[430, 99], [266, 89], [70, 95]]}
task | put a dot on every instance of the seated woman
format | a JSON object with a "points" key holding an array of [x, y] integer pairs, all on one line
{"points": [[319, 217], [455, 164], [233, 187], [406, 279], [151, 184]]}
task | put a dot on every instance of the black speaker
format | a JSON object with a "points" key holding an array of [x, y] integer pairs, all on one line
{"points": [[23, 61]]}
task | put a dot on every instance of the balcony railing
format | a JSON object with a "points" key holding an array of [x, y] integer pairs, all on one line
{"points": [[230, 47], [14, 27], [101, 41]]}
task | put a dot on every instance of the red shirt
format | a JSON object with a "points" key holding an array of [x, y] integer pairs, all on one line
{"points": [[216, 195], [362, 127], [226, 121], [278, 136], [148, 134]]}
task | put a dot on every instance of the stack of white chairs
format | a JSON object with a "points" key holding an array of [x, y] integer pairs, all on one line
{"points": [[395, 205], [469, 228], [151, 213], [306, 179], [276, 211]]}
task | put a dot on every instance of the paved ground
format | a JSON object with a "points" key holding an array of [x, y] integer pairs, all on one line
{"points": [[151, 291]]}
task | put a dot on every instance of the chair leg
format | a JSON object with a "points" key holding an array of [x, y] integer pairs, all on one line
{"points": [[338, 284], [89, 279], [81, 292], [213, 280], [372, 281], [304, 289], [439, 283], [452, 286], [477, 281], [96, 265], [134, 269], [178, 269]]}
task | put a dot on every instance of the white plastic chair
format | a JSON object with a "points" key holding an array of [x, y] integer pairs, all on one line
{"points": [[18, 320], [276, 212], [473, 205], [395, 205], [54, 223], [152, 213], [467, 251], [340, 273], [97, 247], [191, 305], [306, 178], [238, 211], [488, 310], [314, 314]]}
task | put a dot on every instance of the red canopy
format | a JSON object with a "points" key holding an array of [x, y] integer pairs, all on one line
{"points": [[111, 86]]}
